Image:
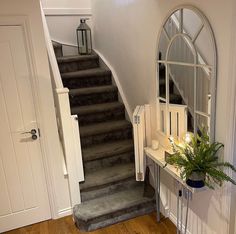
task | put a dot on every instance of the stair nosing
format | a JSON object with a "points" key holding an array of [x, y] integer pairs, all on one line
{"points": [[142, 211], [114, 176], [74, 58], [103, 129], [93, 90], [92, 72], [136, 202], [96, 156], [145, 201], [81, 110]]}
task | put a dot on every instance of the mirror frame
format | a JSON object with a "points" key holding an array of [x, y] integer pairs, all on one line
{"points": [[213, 67]]}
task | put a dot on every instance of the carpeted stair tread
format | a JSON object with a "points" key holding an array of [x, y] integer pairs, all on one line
{"points": [[107, 175], [101, 128], [93, 90], [90, 109], [76, 58], [110, 189], [86, 73], [112, 204], [107, 150]]}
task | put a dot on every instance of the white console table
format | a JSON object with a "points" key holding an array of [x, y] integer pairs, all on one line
{"points": [[158, 157]]}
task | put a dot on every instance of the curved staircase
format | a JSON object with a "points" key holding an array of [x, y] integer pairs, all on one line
{"points": [[109, 193]]}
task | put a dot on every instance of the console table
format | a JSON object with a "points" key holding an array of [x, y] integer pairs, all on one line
{"points": [[158, 157]]}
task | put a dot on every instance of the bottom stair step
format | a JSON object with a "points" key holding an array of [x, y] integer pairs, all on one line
{"points": [[114, 208]]}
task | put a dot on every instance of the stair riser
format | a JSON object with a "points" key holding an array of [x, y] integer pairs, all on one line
{"points": [[109, 189], [85, 82], [78, 65], [92, 99], [121, 134], [114, 114], [117, 217], [108, 162], [58, 51], [162, 88]]}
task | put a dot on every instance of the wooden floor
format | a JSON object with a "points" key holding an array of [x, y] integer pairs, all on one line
{"points": [[142, 225]]}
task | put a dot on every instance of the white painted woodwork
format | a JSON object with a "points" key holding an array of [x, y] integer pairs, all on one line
{"points": [[70, 140], [67, 125], [178, 119], [139, 129], [148, 127], [23, 193]]}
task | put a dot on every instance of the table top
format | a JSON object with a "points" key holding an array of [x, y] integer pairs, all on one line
{"points": [[158, 156]]}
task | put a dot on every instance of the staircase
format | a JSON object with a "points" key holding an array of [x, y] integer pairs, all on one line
{"points": [[109, 193]]}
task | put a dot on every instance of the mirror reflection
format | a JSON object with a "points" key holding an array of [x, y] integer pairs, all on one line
{"points": [[186, 74]]}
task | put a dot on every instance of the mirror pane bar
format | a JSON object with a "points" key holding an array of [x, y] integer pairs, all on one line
{"points": [[185, 64], [198, 33], [181, 21], [203, 114], [162, 99], [166, 34]]}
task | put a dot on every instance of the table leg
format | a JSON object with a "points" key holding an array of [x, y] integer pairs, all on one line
{"points": [[157, 190], [179, 210], [186, 218], [182, 207]]}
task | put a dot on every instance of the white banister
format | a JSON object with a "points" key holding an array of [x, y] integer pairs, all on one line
{"points": [[51, 55], [68, 127]]}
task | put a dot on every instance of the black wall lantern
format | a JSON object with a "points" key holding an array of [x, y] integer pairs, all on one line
{"points": [[84, 37]]}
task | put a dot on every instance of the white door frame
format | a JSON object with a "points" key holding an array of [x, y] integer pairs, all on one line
{"points": [[23, 21], [231, 128]]}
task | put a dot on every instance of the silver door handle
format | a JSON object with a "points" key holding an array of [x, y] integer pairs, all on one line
{"points": [[32, 132]]}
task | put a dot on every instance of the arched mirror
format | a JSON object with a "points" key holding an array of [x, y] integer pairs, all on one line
{"points": [[186, 74]]}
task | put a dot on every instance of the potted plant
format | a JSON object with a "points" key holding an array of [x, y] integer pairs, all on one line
{"points": [[197, 160]]}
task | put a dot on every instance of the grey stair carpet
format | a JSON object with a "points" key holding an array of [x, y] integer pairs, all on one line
{"points": [[93, 95], [111, 209], [99, 112], [87, 78], [110, 193], [106, 176], [79, 62], [107, 150]]}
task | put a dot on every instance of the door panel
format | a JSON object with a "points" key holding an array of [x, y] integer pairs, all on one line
{"points": [[23, 193]]}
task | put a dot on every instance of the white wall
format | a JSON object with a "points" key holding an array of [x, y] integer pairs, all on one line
{"points": [[78, 4], [125, 33], [63, 17], [57, 184]]}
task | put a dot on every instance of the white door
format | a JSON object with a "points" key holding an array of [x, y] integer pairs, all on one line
{"points": [[23, 191]]}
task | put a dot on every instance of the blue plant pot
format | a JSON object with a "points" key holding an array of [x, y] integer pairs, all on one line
{"points": [[196, 180]]}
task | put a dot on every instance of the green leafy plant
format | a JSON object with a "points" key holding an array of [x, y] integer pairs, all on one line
{"points": [[200, 156]]}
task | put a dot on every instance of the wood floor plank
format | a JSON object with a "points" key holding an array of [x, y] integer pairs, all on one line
{"points": [[141, 225]]}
